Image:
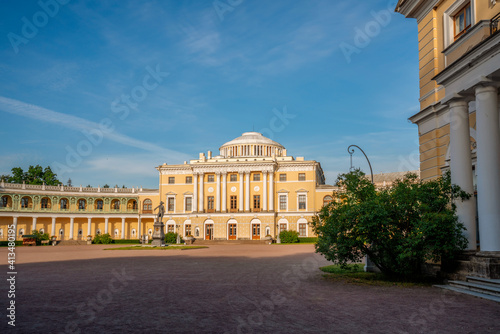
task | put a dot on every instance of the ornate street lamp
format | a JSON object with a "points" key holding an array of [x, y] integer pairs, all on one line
{"points": [[351, 152]]}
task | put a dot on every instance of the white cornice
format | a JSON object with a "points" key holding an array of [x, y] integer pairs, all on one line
{"points": [[415, 9]]}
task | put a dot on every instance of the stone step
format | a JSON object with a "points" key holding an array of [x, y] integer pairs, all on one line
{"points": [[71, 242], [485, 281], [230, 242], [477, 287], [469, 292]]}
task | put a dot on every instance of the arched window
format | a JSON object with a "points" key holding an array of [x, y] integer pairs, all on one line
{"points": [[132, 205], [197, 232], [64, 204], [133, 232], [42, 231], [147, 206], [21, 231], [115, 205], [25, 202], [6, 202], [327, 200], [82, 204], [45, 203], [98, 232], [150, 232], [98, 204], [116, 233]]}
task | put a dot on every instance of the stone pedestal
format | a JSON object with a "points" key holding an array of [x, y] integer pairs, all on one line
{"points": [[158, 234], [486, 265]]}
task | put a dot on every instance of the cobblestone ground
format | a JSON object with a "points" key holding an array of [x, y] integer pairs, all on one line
{"points": [[221, 289]]}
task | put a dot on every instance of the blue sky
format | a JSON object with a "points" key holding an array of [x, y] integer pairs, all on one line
{"points": [[104, 91]]}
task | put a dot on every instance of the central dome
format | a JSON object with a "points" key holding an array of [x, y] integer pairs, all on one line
{"points": [[251, 144]]}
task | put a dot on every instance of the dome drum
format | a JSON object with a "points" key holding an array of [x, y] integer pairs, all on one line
{"points": [[252, 144]]}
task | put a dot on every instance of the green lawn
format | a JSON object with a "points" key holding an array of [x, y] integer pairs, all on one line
{"points": [[156, 248]]}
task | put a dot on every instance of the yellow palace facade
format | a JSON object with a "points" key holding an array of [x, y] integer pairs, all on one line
{"points": [[251, 189]]}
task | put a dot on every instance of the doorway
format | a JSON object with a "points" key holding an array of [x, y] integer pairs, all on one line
{"points": [[232, 231], [209, 231]]}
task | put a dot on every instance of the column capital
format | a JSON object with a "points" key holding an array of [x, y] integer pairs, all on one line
{"points": [[486, 88], [458, 103]]}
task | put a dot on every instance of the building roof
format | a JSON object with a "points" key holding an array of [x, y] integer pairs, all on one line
{"points": [[252, 138]]}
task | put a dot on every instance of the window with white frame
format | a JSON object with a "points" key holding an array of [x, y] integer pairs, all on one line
{"points": [[188, 204], [170, 203], [457, 20], [283, 202], [171, 180], [302, 201]]}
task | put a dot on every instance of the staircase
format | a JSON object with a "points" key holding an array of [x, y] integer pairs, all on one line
{"points": [[476, 286], [71, 242]]}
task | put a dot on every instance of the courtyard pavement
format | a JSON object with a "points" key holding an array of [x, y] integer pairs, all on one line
{"points": [[220, 289]]}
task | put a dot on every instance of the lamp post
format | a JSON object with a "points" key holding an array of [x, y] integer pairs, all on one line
{"points": [[369, 266], [351, 152]]}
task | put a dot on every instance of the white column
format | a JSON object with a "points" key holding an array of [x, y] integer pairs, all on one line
{"points": [[217, 194], [71, 227], [202, 176], [271, 191], [247, 192], [123, 228], [89, 226], [14, 221], [106, 224], [195, 193], [224, 192], [488, 159], [33, 227], [461, 167], [53, 230], [264, 193], [139, 227], [241, 192]]}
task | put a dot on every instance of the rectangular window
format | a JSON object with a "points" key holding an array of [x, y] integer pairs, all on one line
{"points": [[210, 204], [81, 204], [256, 202], [462, 21], [189, 179], [302, 229], [170, 203], [233, 177], [64, 204], [210, 177], [189, 204], [171, 180], [283, 202], [234, 203], [187, 229], [282, 227], [45, 203], [302, 176], [99, 205], [302, 202], [256, 177], [282, 177], [25, 203]]}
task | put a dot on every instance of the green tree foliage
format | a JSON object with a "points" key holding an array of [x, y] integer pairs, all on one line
{"points": [[39, 236], [399, 228], [289, 237], [106, 186], [35, 175], [102, 239], [171, 238]]}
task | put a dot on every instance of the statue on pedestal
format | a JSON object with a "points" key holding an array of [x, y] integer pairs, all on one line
{"points": [[158, 232]]}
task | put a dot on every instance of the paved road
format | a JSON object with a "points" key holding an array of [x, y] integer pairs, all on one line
{"points": [[222, 289]]}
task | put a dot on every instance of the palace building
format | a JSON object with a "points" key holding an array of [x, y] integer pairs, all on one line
{"points": [[251, 189], [458, 121]]}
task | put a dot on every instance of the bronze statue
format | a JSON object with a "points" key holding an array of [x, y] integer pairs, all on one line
{"points": [[161, 212]]}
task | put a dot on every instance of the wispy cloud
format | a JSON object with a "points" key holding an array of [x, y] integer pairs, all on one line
{"points": [[76, 123]]}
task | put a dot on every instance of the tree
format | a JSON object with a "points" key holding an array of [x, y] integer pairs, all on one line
{"points": [[399, 228], [106, 186], [34, 175], [70, 183]]}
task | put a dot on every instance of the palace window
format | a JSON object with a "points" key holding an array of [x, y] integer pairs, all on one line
{"points": [[171, 203], [4, 201], [302, 229], [189, 179], [25, 202], [187, 229], [171, 180], [256, 202], [115, 205], [189, 204], [98, 204], [210, 177], [302, 202], [210, 204], [283, 200], [81, 204], [462, 20], [234, 202], [233, 177], [45, 203], [302, 176], [327, 200], [256, 177], [147, 205], [282, 177], [64, 204]]}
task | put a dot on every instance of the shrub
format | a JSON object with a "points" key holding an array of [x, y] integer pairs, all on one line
{"points": [[102, 239], [399, 228], [126, 241], [289, 237], [171, 238], [39, 237]]}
